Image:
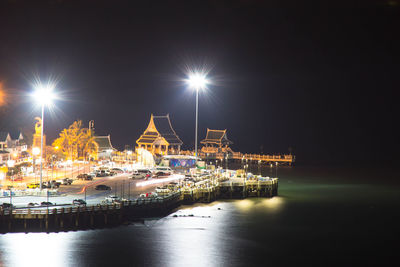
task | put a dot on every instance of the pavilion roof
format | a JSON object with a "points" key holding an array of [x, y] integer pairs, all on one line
{"points": [[160, 126], [216, 137], [104, 142]]}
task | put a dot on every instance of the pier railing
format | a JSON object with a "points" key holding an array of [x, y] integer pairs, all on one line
{"points": [[213, 154], [97, 207]]}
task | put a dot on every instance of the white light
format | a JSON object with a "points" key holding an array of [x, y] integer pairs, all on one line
{"points": [[11, 163], [197, 81], [44, 95], [35, 151], [162, 180]]}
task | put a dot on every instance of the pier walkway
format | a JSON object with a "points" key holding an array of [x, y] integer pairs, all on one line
{"points": [[54, 219], [238, 156]]}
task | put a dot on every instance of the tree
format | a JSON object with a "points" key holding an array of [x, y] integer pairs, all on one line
{"points": [[75, 142], [89, 144]]}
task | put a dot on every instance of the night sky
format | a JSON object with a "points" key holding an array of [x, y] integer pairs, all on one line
{"points": [[318, 78]]}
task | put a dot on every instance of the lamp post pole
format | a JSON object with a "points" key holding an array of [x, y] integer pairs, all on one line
{"points": [[197, 81], [41, 148], [43, 95], [197, 119]]}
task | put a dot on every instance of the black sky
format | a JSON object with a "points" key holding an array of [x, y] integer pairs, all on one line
{"points": [[318, 78]]}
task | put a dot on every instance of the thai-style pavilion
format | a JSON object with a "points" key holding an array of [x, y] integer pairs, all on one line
{"points": [[216, 141], [104, 147], [159, 137]]}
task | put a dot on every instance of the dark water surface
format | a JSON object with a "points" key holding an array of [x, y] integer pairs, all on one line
{"points": [[323, 216]]}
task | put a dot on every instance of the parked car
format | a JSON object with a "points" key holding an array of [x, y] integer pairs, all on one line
{"points": [[51, 184], [102, 187], [6, 206], [65, 181], [33, 186], [102, 173], [117, 170], [112, 199], [161, 174], [141, 174], [148, 195], [46, 203], [31, 204], [163, 189], [163, 170], [80, 176], [84, 176], [79, 202]]}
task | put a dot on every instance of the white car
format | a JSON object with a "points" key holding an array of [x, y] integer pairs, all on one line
{"points": [[112, 199], [148, 195], [162, 171], [141, 174], [163, 189]]}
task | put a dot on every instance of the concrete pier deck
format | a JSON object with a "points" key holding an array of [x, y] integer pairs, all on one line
{"points": [[54, 219]]}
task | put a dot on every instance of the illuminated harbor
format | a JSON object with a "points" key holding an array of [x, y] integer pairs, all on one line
{"points": [[206, 188]]}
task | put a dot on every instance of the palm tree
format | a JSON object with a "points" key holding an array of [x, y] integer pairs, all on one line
{"points": [[89, 142], [72, 140]]}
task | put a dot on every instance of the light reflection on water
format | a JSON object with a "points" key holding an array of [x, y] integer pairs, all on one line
{"points": [[327, 215], [199, 235], [267, 205], [35, 249], [209, 238]]}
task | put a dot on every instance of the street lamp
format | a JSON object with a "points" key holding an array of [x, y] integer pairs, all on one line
{"points": [[44, 96], [128, 159], [197, 81]]}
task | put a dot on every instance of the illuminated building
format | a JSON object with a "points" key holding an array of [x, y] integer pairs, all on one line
{"points": [[104, 148], [12, 145], [160, 138], [216, 141]]}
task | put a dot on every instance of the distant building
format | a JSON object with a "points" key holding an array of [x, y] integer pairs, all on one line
{"points": [[160, 138], [104, 148], [5, 140], [216, 141], [12, 146], [19, 145]]}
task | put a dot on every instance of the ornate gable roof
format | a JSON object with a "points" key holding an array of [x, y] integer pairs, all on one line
{"points": [[159, 127], [216, 137], [103, 142]]}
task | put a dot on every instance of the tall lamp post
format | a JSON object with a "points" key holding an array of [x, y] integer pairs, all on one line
{"points": [[43, 95], [197, 81]]}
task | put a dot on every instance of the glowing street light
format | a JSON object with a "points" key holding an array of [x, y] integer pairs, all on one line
{"points": [[43, 96], [197, 81]]}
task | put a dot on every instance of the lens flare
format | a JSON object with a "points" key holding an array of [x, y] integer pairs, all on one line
{"points": [[197, 80]]}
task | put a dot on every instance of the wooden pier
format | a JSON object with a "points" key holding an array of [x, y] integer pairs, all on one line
{"points": [[211, 154], [99, 216]]}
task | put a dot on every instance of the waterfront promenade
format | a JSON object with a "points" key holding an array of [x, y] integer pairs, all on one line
{"points": [[64, 217]]}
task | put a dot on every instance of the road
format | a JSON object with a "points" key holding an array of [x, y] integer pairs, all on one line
{"points": [[121, 184]]}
